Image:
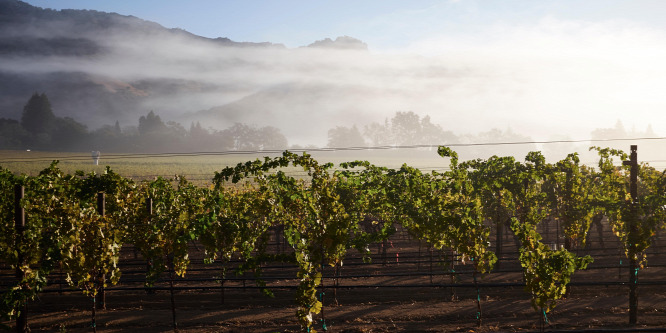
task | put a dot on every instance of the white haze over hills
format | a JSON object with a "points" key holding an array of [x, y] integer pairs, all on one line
{"points": [[551, 79]]}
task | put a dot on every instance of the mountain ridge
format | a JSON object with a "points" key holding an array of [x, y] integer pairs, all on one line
{"points": [[84, 61]]}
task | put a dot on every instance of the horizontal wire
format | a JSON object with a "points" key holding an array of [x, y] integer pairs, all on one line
{"points": [[324, 149]]}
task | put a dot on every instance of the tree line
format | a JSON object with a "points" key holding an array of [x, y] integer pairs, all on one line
{"points": [[40, 129]]}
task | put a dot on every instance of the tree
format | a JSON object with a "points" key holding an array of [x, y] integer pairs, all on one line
{"points": [[197, 132], [69, 134], [378, 134], [108, 138], [434, 134], [156, 135], [407, 128], [150, 123], [498, 136], [341, 136], [270, 137], [617, 132], [246, 137], [12, 134], [241, 136], [37, 115]]}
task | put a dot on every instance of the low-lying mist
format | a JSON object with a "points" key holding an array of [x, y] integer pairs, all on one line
{"points": [[550, 81]]}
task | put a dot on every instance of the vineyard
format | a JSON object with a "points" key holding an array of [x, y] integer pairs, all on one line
{"points": [[487, 245]]}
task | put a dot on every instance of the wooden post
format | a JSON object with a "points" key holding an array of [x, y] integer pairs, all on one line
{"points": [[452, 272], [430, 249], [101, 206], [101, 210], [19, 225], [336, 282], [633, 229]]}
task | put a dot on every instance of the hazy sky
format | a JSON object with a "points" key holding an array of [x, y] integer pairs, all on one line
{"points": [[547, 69], [383, 24]]}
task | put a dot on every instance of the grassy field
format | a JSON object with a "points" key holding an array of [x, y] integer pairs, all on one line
{"points": [[199, 168]]}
